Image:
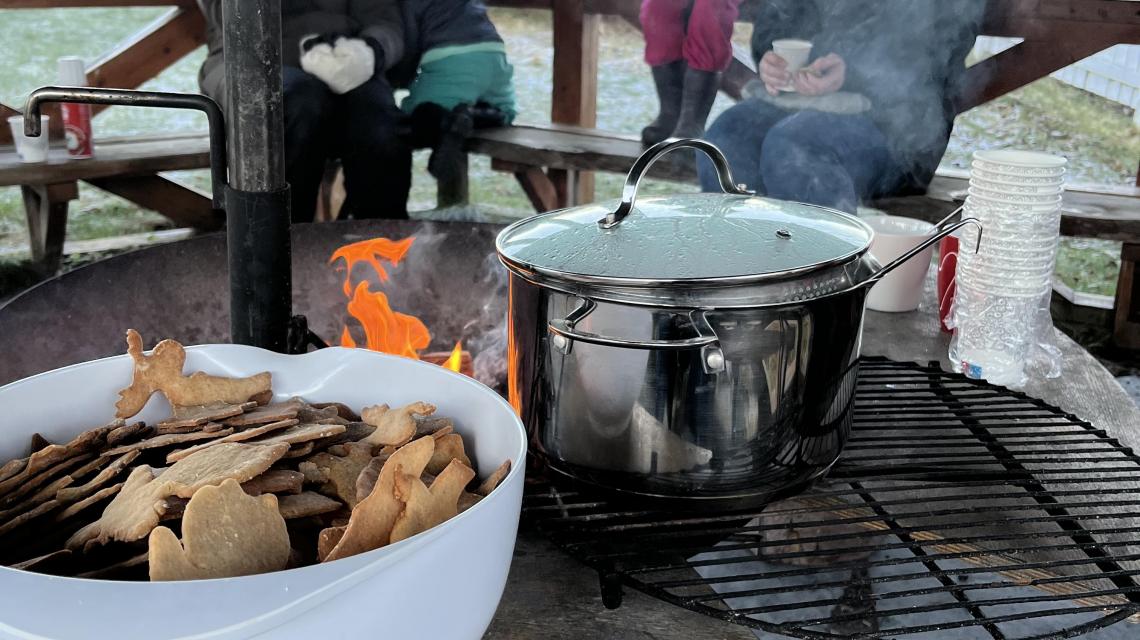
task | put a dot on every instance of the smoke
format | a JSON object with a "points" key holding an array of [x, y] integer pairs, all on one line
{"points": [[907, 57], [488, 331]]}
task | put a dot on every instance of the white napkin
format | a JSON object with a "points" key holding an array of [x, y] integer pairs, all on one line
{"points": [[343, 66]]}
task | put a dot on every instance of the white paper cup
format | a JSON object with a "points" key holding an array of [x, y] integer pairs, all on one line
{"points": [[901, 289], [1020, 159], [794, 52], [30, 149]]}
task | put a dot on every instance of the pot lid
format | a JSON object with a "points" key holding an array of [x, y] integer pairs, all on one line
{"points": [[676, 239]]}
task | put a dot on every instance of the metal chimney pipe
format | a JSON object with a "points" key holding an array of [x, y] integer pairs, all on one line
{"points": [[257, 197]]}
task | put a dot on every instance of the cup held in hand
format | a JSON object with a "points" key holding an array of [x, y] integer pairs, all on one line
{"points": [[795, 53]]}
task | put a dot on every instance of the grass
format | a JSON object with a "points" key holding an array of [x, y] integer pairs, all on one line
{"points": [[1098, 136]]}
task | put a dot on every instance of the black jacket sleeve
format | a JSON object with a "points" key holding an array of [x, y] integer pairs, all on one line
{"points": [[381, 21], [776, 19]]}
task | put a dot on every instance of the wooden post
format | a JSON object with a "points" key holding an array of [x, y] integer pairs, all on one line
{"points": [[574, 99], [46, 209]]}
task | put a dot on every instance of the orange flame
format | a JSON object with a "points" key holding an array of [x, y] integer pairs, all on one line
{"points": [[384, 329], [455, 360], [370, 252]]}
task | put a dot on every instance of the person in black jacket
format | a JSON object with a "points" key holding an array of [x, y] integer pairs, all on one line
{"points": [[338, 103], [456, 70], [869, 117]]}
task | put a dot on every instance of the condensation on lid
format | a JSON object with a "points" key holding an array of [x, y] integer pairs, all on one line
{"points": [[686, 237]]}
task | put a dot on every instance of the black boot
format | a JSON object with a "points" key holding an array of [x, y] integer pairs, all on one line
{"points": [[426, 125], [669, 80], [447, 157], [484, 116], [696, 102]]}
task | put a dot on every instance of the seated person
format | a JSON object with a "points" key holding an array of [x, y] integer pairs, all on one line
{"points": [[870, 117], [458, 78], [338, 103], [688, 44]]}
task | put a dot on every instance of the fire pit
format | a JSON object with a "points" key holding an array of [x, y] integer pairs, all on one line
{"points": [[448, 278]]}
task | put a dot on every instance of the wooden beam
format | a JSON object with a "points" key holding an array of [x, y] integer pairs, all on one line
{"points": [[182, 204], [534, 182], [574, 99], [150, 51], [1020, 65]]}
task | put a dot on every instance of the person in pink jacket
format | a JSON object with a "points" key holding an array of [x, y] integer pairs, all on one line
{"points": [[688, 44]]}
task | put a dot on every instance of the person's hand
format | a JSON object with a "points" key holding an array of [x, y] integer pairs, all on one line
{"points": [[342, 62], [825, 75], [774, 73]]}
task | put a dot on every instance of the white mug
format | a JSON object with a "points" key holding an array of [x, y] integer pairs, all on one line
{"points": [[901, 289]]}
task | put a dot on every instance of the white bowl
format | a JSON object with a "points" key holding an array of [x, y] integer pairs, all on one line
{"points": [[443, 583], [1017, 188], [1012, 176], [1052, 200], [1020, 159]]}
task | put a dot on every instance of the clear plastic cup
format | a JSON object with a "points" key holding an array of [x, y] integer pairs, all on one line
{"points": [[30, 149]]}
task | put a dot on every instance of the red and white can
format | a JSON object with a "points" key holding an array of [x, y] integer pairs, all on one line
{"points": [[76, 117]]}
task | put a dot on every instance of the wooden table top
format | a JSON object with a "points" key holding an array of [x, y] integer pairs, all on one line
{"points": [[550, 596]]}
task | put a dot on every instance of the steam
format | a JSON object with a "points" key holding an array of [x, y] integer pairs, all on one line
{"points": [[489, 329]]}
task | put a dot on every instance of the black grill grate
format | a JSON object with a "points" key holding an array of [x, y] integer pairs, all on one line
{"points": [[958, 510]]}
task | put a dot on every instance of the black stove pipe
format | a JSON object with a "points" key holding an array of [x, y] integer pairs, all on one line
{"points": [[126, 97], [257, 196]]}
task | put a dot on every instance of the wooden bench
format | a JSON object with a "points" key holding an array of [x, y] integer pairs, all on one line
{"points": [[126, 167]]}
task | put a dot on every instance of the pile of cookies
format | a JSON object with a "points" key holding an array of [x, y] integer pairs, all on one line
{"points": [[231, 483]]}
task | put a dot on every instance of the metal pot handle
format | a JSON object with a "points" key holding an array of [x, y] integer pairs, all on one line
{"points": [[565, 334], [652, 155], [922, 246]]}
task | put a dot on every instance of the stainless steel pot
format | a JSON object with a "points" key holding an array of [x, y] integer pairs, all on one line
{"points": [[701, 347]]}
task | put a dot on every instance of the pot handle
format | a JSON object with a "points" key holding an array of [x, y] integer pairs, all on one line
{"points": [[565, 333], [922, 246], [652, 155]]}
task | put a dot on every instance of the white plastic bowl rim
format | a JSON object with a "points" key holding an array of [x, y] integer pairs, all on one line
{"points": [[1044, 201], [1029, 172], [1021, 178], [1021, 158], [1013, 187]]}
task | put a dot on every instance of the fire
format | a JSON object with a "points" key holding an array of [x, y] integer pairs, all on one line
{"points": [[384, 328], [455, 360], [370, 252]]}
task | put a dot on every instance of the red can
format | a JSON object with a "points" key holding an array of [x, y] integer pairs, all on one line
{"points": [[77, 128], [76, 117], [947, 270]]}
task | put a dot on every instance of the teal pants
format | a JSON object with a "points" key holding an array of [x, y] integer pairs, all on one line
{"points": [[465, 78]]}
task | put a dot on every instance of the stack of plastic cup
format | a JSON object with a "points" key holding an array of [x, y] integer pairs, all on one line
{"points": [[1003, 290]]}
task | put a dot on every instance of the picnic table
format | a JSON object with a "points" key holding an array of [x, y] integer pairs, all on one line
{"points": [[549, 595]]}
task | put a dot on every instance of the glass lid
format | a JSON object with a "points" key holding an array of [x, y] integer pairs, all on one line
{"points": [[690, 237]]}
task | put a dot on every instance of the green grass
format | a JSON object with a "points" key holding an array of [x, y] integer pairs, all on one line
{"points": [[1098, 136]]}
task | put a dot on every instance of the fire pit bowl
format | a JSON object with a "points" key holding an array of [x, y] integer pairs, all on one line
{"points": [[443, 583]]}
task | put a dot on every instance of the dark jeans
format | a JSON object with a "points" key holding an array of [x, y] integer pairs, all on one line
{"points": [[804, 156], [361, 128]]}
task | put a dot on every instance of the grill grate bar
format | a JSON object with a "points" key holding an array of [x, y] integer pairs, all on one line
{"points": [[944, 480]]}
